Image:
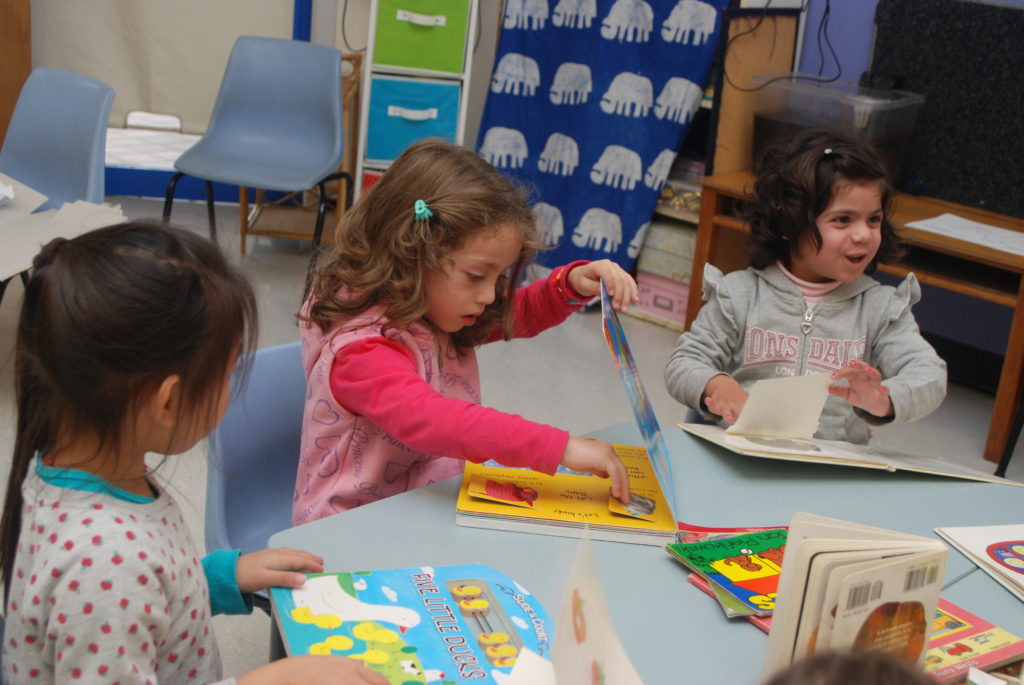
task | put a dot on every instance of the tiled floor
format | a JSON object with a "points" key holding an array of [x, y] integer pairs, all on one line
{"points": [[563, 377]]}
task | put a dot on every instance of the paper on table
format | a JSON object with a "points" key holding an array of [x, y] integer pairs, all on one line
{"points": [[787, 407], [25, 200], [953, 226]]}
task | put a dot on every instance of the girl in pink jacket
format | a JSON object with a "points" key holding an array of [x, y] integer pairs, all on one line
{"points": [[423, 271]]}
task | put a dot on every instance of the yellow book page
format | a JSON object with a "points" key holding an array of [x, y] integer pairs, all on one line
{"points": [[570, 498]]}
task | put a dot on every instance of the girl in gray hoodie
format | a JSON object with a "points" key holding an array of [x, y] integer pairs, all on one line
{"points": [[820, 222]]}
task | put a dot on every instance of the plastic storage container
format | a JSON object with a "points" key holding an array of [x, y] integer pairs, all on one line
{"points": [[794, 102]]}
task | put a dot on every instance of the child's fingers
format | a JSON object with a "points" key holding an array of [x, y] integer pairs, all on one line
{"points": [[620, 479]]}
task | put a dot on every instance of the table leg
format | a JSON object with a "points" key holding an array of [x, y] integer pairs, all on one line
{"points": [[711, 204], [1008, 393]]}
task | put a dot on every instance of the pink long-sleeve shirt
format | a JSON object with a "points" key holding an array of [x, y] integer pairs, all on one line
{"points": [[390, 411]]}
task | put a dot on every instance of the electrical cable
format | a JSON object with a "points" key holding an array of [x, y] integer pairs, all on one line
{"points": [[344, 37]]}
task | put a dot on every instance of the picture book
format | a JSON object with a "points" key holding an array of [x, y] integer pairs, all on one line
{"points": [[959, 641], [742, 567], [689, 532], [567, 503], [446, 625], [849, 586], [837, 452], [998, 550]]}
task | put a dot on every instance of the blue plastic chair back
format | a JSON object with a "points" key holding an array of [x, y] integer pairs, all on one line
{"points": [[277, 121], [57, 137], [254, 453]]}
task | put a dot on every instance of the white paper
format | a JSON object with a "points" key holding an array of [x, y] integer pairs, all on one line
{"points": [[23, 200], [953, 226], [787, 407]]}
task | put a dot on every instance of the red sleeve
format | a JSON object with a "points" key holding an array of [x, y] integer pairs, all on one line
{"points": [[377, 378], [544, 303]]}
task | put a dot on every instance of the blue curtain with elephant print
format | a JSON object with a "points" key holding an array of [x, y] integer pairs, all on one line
{"points": [[589, 102]]}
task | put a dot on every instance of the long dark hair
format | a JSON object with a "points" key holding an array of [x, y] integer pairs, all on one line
{"points": [[106, 317], [381, 250], [796, 181]]}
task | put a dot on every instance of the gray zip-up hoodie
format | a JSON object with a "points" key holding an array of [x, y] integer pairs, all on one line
{"points": [[756, 324]]}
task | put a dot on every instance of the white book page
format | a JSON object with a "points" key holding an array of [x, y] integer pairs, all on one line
{"points": [[787, 407], [999, 550]]}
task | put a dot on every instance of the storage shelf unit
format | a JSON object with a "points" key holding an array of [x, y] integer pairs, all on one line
{"points": [[415, 78]]}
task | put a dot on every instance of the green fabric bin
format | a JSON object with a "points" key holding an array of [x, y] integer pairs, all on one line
{"points": [[421, 34]]}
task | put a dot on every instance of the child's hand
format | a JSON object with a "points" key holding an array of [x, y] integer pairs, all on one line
{"points": [[275, 568], [598, 457], [622, 290], [864, 389], [299, 670], [725, 397]]}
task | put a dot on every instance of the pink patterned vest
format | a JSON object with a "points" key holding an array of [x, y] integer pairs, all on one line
{"points": [[346, 460]]}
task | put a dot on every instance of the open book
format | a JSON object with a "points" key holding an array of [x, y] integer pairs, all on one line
{"points": [[569, 503], [997, 550], [848, 586], [780, 417], [453, 624]]}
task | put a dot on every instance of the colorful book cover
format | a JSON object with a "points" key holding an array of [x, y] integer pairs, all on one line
{"points": [[745, 566], [998, 550], [960, 641], [444, 624], [689, 532], [566, 503]]}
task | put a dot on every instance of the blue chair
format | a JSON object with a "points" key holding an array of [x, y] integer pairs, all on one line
{"points": [[276, 125], [57, 138], [254, 453]]}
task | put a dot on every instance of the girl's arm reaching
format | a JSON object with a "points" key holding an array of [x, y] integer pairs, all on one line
{"points": [[377, 378]]}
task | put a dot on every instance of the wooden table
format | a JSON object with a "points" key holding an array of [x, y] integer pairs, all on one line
{"points": [[962, 267]]}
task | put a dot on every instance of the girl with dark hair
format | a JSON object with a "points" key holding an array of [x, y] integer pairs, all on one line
{"points": [[423, 270], [126, 342], [819, 217]]}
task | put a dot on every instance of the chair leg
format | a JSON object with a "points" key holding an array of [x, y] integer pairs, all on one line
{"points": [[3, 286], [169, 199], [211, 215], [322, 208], [1011, 440]]}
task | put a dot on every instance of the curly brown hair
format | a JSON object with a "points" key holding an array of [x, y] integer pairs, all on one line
{"points": [[796, 181], [381, 252]]}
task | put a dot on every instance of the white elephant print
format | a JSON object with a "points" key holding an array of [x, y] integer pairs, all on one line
{"points": [[633, 251], [598, 229], [678, 100], [628, 20], [657, 172], [572, 84], [526, 14], [618, 167], [574, 14], [549, 223], [504, 147], [690, 19], [515, 72], [629, 94], [561, 155]]}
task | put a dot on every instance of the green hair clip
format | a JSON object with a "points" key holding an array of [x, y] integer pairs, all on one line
{"points": [[421, 211]]}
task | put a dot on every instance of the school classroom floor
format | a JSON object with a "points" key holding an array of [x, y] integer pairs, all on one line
{"points": [[564, 377]]}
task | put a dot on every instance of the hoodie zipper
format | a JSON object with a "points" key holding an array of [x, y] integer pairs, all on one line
{"points": [[808, 325]]}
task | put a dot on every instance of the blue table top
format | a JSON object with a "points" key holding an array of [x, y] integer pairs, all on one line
{"points": [[661, 619]]}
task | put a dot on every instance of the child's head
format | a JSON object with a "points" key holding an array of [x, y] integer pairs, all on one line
{"points": [[849, 668], [109, 318], [821, 205], [388, 254]]}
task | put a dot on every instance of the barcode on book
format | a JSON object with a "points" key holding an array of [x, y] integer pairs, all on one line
{"points": [[863, 593], [919, 577]]}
